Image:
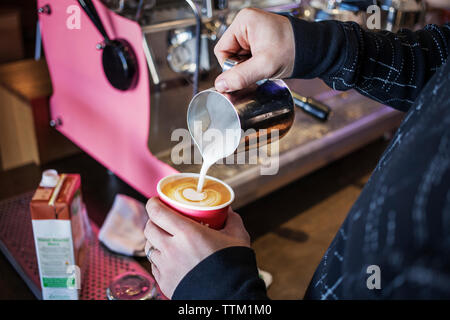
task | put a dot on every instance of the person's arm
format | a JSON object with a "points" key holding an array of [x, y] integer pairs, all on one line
{"points": [[192, 261], [230, 274], [387, 67], [391, 68]]}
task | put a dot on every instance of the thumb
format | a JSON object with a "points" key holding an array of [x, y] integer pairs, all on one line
{"points": [[242, 75]]}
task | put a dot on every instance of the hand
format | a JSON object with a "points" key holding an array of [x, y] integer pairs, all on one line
{"points": [[180, 243], [267, 37]]}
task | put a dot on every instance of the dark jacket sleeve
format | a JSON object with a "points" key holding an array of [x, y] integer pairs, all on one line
{"points": [[228, 274], [391, 68]]}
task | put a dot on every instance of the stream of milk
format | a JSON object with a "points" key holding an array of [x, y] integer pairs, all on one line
{"points": [[221, 137], [212, 153]]}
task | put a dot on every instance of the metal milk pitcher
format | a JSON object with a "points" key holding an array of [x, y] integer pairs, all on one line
{"points": [[264, 108]]}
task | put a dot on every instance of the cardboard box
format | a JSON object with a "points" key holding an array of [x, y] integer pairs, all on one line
{"points": [[11, 46], [25, 134], [60, 230], [18, 141]]}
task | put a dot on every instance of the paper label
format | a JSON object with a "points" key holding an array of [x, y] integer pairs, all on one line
{"points": [[54, 247]]}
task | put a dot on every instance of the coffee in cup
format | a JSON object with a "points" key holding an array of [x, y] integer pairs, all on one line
{"points": [[210, 206], [184, 190]]}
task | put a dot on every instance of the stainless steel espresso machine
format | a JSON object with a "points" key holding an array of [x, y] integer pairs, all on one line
{"points": [[170, 53], [393, 14]]}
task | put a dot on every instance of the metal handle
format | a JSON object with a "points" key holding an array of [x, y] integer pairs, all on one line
{"points": [[312, 106], [90, 10], [309, 105], [228, 64], [232, 61]]}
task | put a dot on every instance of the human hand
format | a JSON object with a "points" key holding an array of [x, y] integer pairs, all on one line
{"points": [[267, 37], [180, 243]]}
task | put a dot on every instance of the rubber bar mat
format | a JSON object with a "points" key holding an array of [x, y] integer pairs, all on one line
{"points": [[17, 244]]}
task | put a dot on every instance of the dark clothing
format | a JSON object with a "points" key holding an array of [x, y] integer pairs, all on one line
{"points": [[401, 221], [230, 273], [391, 68]]}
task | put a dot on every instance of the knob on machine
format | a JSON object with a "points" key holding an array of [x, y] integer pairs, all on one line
{"points": [[118, 58]]}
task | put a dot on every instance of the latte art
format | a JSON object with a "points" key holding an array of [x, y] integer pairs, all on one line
{"points": [[194, 195], [183, 190]]}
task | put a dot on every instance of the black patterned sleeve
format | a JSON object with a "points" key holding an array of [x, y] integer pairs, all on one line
{"points": [[391, 68], [228, 274]]}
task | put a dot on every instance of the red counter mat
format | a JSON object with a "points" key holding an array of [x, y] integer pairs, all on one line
{"points": [[16, 243]]}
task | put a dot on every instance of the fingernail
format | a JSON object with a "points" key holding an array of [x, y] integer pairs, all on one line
{"points": [[221, 86]]}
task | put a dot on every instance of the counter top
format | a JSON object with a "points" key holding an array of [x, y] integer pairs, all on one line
{"points": [[290, 228]]}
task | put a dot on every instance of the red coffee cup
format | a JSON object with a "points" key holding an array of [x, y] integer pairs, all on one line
{"points": [[214, 217]]}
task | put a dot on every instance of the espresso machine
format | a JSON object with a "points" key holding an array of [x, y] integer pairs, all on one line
{"points": [[394, 14], [124, 116]]}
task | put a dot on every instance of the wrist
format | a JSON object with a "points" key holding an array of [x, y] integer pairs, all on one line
{"points": [[230, 273], [318, 48]]}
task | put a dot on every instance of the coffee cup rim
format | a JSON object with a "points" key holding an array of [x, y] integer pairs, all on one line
{"points": [[192, 207]]}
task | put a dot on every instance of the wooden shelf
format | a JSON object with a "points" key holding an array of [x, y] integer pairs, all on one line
{"points": [[29, 79]]}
